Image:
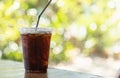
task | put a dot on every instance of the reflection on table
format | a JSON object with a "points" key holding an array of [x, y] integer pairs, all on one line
{"points": [[36, 75]]}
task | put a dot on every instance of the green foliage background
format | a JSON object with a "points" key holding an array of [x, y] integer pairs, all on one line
{"points": [[90, 26]]}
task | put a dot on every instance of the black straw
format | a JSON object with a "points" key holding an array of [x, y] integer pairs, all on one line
{"points": [[42, 13]]}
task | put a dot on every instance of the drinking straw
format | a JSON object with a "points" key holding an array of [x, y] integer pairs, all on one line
{"points": [[42, 13]]}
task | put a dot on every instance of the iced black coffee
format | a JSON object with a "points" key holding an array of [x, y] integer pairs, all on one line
{"points": [[36, 45]]}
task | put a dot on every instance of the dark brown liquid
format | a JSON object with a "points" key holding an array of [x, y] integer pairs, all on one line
{"points": [[36, 51]]}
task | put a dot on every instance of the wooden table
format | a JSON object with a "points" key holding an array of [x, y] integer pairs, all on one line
{"points": [[10, 69]]}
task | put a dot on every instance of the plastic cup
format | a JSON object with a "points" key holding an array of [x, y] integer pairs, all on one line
{"points": [[36, 45]]}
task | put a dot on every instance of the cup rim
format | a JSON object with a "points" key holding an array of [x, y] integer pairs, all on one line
{"points": [[31, 30]]}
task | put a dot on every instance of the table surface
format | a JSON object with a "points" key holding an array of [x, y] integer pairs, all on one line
{"points": [[10, 69]]}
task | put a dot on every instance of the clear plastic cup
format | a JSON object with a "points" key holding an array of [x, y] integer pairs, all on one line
{"points": [[36, 45]]}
